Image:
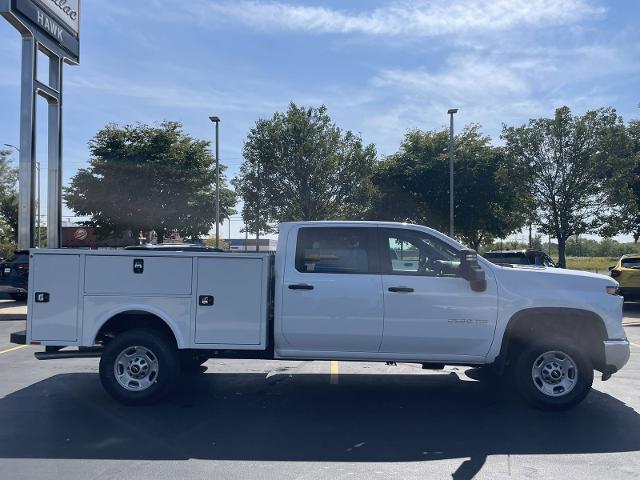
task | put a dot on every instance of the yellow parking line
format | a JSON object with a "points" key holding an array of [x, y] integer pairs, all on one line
{"points": [[334, 372], [13, 349]]}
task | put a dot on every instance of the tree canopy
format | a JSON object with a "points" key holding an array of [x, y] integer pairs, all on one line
{"points": [[625, 216], [143, 177], [413, 185], [300, 166], [573, 163], [8, 204]]}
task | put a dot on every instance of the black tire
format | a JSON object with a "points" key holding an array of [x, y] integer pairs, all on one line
{"points": [[163, 357], [579, 378], [18, 297]]}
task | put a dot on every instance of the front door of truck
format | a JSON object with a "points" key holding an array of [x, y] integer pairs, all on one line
{"points": [[429, 309], [331, 294]]}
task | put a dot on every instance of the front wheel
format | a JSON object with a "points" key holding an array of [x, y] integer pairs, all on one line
{"points": [[139, 366], [553, 374]]}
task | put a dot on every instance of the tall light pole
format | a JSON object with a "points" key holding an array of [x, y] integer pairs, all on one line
{"points": [[451, 160], [216, 120], [37, 190]]}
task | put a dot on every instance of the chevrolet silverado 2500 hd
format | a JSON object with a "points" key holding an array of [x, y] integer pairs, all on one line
{"points": [[361, 291]]}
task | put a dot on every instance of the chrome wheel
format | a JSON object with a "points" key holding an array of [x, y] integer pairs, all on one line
{"points": [[136, 368], [554, 373]]}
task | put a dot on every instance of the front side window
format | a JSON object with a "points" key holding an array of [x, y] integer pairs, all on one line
{"points": [[406, 252], [334, 250]]}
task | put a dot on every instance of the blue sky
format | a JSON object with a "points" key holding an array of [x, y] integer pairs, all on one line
{"points": [[380, 67]]}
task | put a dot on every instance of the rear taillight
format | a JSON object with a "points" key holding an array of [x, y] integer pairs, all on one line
{"points": [[615, 273]]}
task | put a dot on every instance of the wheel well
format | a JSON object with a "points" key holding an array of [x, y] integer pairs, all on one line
{"points": [[585, 328], [129, 320]]}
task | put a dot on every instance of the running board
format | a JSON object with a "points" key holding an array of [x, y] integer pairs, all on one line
{"points": [[84, 353]]}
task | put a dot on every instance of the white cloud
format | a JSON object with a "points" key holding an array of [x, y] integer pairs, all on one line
{"points": [[401, 17], [169, 95]]}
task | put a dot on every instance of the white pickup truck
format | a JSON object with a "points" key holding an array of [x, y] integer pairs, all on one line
{"points": [[351, 291]]}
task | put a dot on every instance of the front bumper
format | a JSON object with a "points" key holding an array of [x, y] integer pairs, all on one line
{"points": [[616, 356]]}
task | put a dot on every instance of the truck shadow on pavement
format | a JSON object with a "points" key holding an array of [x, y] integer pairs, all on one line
{"points": [[302, 417]]}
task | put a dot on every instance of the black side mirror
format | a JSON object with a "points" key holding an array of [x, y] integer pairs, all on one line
{"points": [[471, 270], [612, 267]]}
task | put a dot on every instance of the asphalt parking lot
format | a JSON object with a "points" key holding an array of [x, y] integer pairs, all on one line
{"points": [[308, 420]]}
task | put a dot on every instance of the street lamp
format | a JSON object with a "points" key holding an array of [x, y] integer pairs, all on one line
{"points": [[37, 188], [451, 160], [216, 120]]}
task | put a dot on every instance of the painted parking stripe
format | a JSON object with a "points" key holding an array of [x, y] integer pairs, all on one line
{"points": [[334, 372], [13, 349], [634, 344]]}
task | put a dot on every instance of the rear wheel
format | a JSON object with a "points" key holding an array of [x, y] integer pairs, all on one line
{"points": [[139, 366], [553, 374]]}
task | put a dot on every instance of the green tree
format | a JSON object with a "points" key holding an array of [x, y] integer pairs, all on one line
{"points": [[572, 162], [625, 217], [147, 178], [8, 204], [301, 166], [413, 185]]}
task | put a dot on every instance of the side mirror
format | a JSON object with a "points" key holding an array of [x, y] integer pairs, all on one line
{"points": [[612, 267], [471, 271]]}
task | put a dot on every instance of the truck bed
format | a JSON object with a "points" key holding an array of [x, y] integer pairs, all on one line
{"points": [[208, 300]]}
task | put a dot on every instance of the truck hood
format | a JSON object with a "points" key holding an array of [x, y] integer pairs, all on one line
{"points": [[554, 276]]}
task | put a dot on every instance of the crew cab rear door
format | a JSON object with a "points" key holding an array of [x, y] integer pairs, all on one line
{"points": [[331, 291]]}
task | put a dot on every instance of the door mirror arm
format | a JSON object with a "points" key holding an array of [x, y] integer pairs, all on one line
{"points": [[471, 270]]}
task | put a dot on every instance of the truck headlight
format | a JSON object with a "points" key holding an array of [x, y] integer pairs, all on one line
{"points": [[612, 290]]}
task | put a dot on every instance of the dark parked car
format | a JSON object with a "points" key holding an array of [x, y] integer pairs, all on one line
{"points": [[520, 257], [14, 275]]}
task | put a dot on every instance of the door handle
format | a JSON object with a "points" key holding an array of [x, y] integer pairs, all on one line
{"points": [[205, 300], [300, 286], [401, 289]]}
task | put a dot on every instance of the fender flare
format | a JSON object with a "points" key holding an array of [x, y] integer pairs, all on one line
{"points": [[549, 312]]}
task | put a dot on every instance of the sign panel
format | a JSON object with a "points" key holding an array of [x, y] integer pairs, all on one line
{"points": [[79, 237], [66, 12], [51, 27]]}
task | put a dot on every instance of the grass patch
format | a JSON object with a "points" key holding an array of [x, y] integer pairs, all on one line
{"points": [[591, 264]]}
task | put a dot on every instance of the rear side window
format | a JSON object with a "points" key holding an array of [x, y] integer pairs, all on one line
{"points": [[334, 250], [631, 262]]}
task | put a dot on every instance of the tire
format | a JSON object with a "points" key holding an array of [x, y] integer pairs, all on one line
{"points": [[147, 363], [553, 374], [18, 297]]}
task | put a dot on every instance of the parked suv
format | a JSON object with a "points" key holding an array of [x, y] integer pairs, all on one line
{"points": [[520, 257], [627, 273], [14, 275]]}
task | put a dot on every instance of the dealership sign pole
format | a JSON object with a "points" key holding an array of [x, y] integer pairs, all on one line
{"points": [[53, 28]]}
